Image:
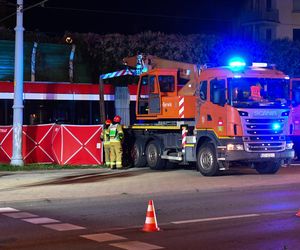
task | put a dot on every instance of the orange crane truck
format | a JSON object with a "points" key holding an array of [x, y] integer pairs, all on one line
{"points": [[216, 118]]}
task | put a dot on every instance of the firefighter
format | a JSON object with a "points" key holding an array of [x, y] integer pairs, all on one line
{"points": [[115, 137], [106, 143]]}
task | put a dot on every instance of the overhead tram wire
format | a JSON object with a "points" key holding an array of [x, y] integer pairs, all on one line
{"points": [[41, 4], [135, 14]]}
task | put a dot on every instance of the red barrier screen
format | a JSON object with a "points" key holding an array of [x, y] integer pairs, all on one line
{"points": [[58, 144], [77, 144]]}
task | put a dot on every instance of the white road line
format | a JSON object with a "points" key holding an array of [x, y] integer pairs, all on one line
{"points": [[7, 210], [64, 227], [215, 218], [135, 245], [103, 237], [20, 215], [43, 220]]}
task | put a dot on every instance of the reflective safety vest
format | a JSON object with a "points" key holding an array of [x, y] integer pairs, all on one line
{"points": [[105, 136], [115, 133]]}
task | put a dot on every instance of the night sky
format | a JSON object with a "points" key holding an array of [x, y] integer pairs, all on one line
{"points": [[129, 17]]}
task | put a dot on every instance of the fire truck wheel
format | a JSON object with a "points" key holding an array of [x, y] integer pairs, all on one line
{"points": [[268, 167], [139, 160], [153, 155], [207, 160]]}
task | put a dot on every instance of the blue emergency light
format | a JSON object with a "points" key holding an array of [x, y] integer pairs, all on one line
{"points": [[237, 63]]}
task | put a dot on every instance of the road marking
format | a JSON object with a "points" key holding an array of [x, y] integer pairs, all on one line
{"points": [[43, 220], [7, 210], [135, 245], [20, 215], [64, 227], [34, 219], [215, 218], [103, 237]]}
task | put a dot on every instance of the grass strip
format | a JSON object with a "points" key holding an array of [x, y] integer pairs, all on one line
{"points": [[32, 167]]}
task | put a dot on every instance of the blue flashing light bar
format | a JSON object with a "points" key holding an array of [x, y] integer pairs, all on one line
{"points": [[237, 63]]}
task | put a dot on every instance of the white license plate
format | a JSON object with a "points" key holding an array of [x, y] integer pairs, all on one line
{"points": [[267, 155]]}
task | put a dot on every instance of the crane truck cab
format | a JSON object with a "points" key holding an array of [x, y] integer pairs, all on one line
{"points": [[158, 96], [227, 116]]}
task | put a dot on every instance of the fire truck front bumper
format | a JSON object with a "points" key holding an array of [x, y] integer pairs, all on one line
{"points": [[229, 156]]}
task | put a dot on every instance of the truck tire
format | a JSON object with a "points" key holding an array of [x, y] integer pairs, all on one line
{"points": [[207, 160], [153, 155], [137, 154], [268, 167]]}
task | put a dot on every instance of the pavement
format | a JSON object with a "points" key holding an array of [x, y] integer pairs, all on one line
{"points": [[88, 183]]}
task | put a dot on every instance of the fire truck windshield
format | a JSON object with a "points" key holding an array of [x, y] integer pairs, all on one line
{"points": [[258, 92]]}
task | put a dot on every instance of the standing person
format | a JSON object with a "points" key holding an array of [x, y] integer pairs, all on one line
{"points": [[106, 143], [115, 137]]}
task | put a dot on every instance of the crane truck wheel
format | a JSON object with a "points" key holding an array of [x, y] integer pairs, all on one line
{"points": [[153, 155], [207, 161], [139, 160], [268, 167]]}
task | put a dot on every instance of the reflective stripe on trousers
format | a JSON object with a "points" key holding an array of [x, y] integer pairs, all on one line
{"points": [[116, 154]]}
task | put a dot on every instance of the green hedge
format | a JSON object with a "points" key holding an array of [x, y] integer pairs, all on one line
{"points": [[97, 54]]}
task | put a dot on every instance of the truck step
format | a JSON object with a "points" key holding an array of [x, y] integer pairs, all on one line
{"points": [[171, 157]]}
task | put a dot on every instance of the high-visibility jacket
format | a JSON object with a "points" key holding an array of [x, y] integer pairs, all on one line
{"points": [[105, 136], [116, 133]]}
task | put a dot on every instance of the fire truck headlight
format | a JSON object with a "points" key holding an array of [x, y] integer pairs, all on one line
{"points": [[231, 147], [239, 147], [289, 145]]}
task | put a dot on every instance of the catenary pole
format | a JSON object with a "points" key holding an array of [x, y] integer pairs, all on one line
{"points": [[17, 158]]}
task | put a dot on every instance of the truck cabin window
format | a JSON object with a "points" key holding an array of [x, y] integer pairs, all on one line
{"points": [[144, 88], [166, 83], [258, 92], [143, 96], [152, 84], [217, 91], [203, 90]]}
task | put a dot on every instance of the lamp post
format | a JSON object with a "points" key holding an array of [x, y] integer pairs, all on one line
{"points": [[17, 158]]}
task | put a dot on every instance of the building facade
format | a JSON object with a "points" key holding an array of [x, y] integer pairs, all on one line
{"points": [[271, 19]]}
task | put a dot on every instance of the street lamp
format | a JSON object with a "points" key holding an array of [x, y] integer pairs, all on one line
{"points": [[17, 158]]}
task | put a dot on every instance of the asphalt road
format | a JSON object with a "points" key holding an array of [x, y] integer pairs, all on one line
{"points": [[241, 210]]}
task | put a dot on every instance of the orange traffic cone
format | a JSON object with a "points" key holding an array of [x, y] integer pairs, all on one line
{"points": [[298, 213], [150, 223]]}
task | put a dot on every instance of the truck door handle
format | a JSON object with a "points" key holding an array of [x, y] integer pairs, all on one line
{"points": [[209, 118]]}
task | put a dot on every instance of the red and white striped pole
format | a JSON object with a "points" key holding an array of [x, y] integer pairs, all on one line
{"points": [[181, 107], [183, 136]]}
